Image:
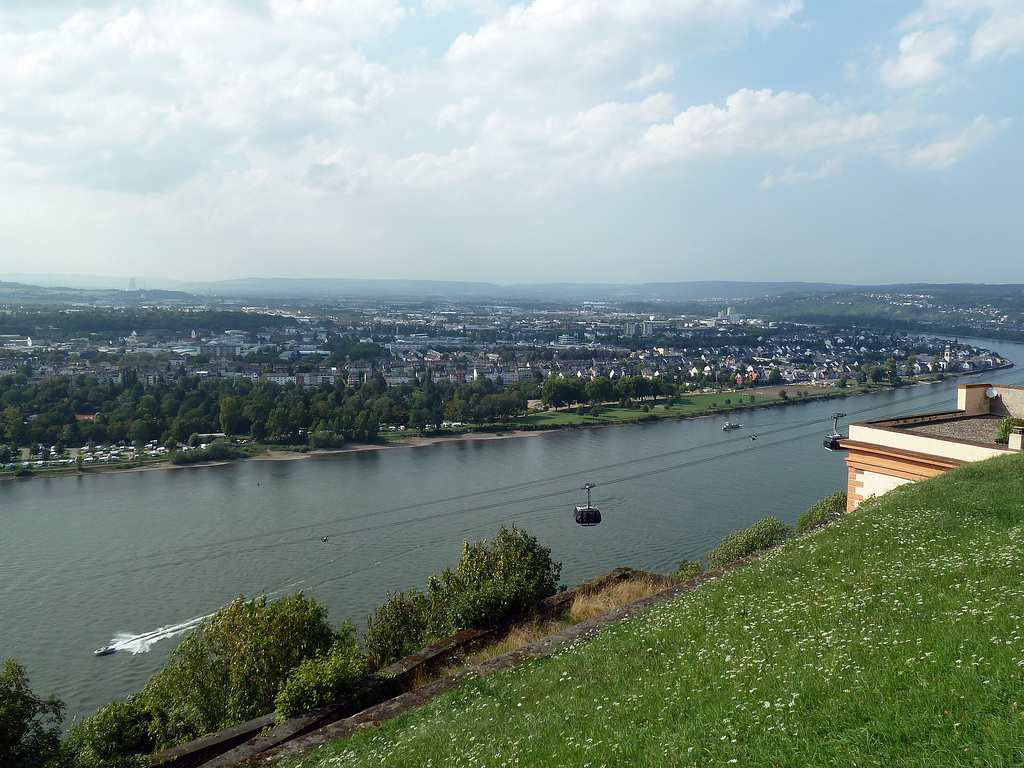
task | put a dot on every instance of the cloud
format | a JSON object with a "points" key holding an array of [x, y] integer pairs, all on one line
{"points": [[650, 76], [942, 153], [575, 40], [764, 126], [508, 147], [140, 99], [451, 114], [921, 58], [792, 176], [994, 28], [629, 139], [753, 123]]}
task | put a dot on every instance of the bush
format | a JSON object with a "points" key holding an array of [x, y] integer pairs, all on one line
{"points": [[492, 581], [117, 736], [828, 510], [397, 627], [230, 669], [218, 450], [322, 679], [325, 439], [29, 725], [1006, 427], [760, 536], [688, 569]]}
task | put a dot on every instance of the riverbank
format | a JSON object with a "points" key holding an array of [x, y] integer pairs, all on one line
{"points": [[685, 406]]}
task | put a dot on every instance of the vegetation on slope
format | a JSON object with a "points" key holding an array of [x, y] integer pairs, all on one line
{"points": [[891, 638]]}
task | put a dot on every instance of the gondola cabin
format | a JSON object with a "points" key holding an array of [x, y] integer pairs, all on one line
{"points": [[587, 514], [832, 439]]}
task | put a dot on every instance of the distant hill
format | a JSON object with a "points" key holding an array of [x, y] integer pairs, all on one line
{"points": [[435, 289], [50, 288]]}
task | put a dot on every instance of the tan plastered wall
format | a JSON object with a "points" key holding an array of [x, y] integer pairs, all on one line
{"points": [[1012, 401], [875, 484], [971, 398], [933, 446]]}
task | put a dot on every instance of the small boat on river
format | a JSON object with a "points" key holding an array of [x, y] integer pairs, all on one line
{"points": [[729, 425], [106, 650]]}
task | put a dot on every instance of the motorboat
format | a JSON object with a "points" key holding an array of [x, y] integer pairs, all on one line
{"points": [[729, 425], [106, 650]]}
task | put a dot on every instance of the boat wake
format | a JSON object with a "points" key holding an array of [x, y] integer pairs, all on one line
{"points": [[141, 643]]}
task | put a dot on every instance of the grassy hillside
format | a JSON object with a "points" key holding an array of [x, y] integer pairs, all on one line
{"points": [[892, 638]]}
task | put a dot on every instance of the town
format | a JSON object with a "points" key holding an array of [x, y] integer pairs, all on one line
{"points": [[506, 344], [136, 384]]}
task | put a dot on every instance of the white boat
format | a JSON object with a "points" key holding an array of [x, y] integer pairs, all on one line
{"points": [[729, 425], [106, 650]]}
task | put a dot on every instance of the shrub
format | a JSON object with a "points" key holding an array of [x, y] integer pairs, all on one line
{"points": [[1006, 427], [29, 725], [322, 679], [117, 736], [828, 510], [761, 535], [491, 581], [230, 669], [325, 439], [688, 569], [397, 627]]}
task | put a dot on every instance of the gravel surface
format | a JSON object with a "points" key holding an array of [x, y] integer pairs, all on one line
{"points": [[971, 429]]}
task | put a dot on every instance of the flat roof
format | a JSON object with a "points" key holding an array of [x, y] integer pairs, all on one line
{"points": [[980, 430]]}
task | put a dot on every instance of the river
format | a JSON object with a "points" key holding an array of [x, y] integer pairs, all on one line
{"points": [[137, 558]]}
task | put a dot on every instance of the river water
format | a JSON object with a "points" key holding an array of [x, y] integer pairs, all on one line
{"points": [[137, 558]]}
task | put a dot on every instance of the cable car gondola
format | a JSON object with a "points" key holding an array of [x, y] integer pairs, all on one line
{"points": [[589, 514], [832, 439]]}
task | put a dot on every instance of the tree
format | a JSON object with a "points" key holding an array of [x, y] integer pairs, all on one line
{"points": [[14, 423], [599, 390], [29, 726], [891, 372], [230, 415], [908, 368], [230, 669], [774, 377]]}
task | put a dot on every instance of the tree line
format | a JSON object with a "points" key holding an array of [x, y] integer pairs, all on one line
{"points": [[72, 412]]}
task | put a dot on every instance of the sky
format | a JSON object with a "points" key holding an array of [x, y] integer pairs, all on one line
{"points": [[859, 141]]}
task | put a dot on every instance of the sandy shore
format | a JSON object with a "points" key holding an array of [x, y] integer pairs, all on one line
{"points": [[412, 441]]}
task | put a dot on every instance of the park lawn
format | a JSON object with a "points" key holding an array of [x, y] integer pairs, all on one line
{"points": [[892, 638]]}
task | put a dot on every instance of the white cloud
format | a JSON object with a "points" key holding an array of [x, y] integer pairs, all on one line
{"points": [[452, 114], [944, 152], [753, 123], [792, 176], [650, 76], [765, 125], [144, 98], [995, 28], [922, 58], [508, 147], [574, 40]]}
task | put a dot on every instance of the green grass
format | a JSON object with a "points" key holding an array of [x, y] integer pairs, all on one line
{"points": [[685, 405], [892, 638]]}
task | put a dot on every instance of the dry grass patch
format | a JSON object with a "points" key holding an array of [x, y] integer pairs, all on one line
{"points": [[587, 605]]}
